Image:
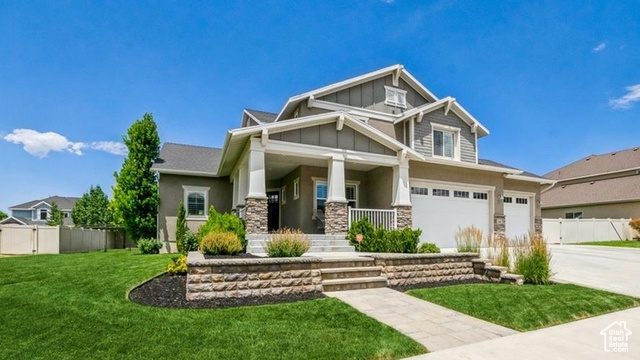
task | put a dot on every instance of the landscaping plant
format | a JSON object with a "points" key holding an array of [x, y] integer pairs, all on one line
{"points": [[532, 259], [149, 246], [217, 222], [287, 243], [468, 239], [55, 218], [498, 251], [92, 209], [381, 239], [635, 225], [220, 243], [428, 248], [190, 242], [181, 226], [177, 265]]}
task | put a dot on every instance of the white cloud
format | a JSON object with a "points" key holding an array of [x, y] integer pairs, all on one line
{"points": [[112, 147], [627, 100], [600, 47], [40, 144]]}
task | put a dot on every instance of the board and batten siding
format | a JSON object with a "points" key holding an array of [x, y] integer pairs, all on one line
{"points": [[371, 95], [327, 136], [423, 135]]}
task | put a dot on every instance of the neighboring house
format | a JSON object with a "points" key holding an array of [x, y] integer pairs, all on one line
{"points": [[380, 145], [36, 212], [597, 186]]}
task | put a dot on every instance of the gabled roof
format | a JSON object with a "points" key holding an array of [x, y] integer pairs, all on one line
{"points": [[187, 160], [63, 202], [620, 189], [616, 161], [398, 71], [261, 117], [16, 220]]}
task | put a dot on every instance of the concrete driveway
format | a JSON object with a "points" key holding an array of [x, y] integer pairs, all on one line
{"points": [[607, 268]]}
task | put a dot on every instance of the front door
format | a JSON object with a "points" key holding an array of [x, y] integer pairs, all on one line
{"points": [[273, 210]]}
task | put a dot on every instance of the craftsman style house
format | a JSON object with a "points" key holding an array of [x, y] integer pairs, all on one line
{"points": [[379, 145]]}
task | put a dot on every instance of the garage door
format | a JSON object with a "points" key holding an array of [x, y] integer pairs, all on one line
{"points": [[517, 211], [439, 210]]}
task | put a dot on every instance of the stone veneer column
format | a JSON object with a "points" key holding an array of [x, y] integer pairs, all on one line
{"points": [[499, 226], [405, 215], [537, 225], [256, 216], [336, 218]]}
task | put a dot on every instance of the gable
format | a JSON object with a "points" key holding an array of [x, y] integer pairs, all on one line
{"points": [[370, 95], [423, 134], [326, 135]]}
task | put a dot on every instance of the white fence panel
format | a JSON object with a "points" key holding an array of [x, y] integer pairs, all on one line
{"points": [[17, 239], [48, 240], [567, 231], [80, 240], [385, 218]]}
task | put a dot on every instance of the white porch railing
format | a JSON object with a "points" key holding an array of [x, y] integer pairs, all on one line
{"points": [[388, 219]]}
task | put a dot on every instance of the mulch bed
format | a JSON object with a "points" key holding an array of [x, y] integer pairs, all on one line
{"points": [[439, 284], [171, 292]]}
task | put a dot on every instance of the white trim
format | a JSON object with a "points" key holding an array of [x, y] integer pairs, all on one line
{"points": [[597, 174], [296, 188], [470, 165], [354, 111], [317, 180], [456, 141], [14, 218], [252, 117], [396, 91], [39, 213], [36, 205], [283, 195], [187, 189], [185, 172], [529, 179]]}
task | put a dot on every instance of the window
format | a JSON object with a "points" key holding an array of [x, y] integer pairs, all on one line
{"points": [[296, 188], [522, 201], [43, 214], [395, 97], [508, 200], [440, 192], [480, 196], [573, 215], [461, 194], [444, 144], [419, 191], [350, 190], [66, 215], [196, 200], [283, 195], [351, 194]]}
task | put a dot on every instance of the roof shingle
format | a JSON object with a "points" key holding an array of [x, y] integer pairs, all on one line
{"points": [[263, 116], [598, 164], [179, 157], [63, 202], [592, 192]]}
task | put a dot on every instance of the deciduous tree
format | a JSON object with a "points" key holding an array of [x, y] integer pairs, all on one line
{"points": [[92, 209]]}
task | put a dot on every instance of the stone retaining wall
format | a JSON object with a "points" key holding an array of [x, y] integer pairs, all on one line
{"points": [[236, 278]]}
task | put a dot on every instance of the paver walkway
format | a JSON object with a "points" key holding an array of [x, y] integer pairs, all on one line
{"points": [[432, 325]]}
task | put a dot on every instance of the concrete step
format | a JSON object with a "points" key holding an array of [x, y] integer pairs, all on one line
{"points": [[348, 262], [354, 283], [350, 273], [309, 236], [323, 249], [313, 242]]}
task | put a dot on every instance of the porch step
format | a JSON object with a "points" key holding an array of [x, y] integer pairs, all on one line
{"points": [[349, 262], [331, 248], [354, 283], [351, 272], [319, 243]]}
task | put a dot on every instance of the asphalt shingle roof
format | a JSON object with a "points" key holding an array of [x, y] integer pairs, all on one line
{"points": [[263, 116], [497, 164], [598, 164], [181, 157], [592, 192], [63, 202]]}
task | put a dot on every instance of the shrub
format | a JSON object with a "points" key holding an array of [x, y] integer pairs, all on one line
{"points": [[498, 251], [149, 246], [532, 259], [287, 243], [382, 240], [428, 248], [217, 222], [220, 243], [181, 226], [363, 227], [177, 265], [190, 242], [635, 225], [468, 239]]}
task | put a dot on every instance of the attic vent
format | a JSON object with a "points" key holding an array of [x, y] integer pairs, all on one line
{"points": [[564, 186], [591, 183]]}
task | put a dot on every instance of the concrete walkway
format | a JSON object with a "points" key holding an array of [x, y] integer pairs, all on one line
{"points": [[433, 326], [580, 340]]}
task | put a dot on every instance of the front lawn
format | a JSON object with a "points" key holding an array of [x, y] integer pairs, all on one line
{"points": [[526, 307], [74, 307], [615, 243]]}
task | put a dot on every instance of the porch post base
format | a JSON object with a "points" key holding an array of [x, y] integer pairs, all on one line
{"points": [[499, 227], [538, 225], [336, 218], [256, 216], [404, 215]]}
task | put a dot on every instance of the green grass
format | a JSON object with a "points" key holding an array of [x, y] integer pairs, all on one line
{"points": [[526, 307], [615, 243], [75, 307]]}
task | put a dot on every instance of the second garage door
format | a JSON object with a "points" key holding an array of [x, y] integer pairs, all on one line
{"points": [[517, 211], [439, 210]]}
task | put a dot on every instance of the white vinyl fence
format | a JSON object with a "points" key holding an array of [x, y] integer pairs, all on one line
{"points": [[388, 219], [36, 239], [567, 231]]}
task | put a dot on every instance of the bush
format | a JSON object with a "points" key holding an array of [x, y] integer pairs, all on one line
{"points": [[181, 226], [149, 246], [177, 266], [468, 239], [532, 259], [220, 243], [428, 248], [287, 243], [227, 222], [635, 225], [190, 242], [382, 240]]}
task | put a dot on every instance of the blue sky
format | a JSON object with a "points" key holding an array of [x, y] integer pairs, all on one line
{"points": [[553, 81]]}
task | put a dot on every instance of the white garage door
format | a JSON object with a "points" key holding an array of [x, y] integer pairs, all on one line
{"points": [[517, 211], [439, 210]]}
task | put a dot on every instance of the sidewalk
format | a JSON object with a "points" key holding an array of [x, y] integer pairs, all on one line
{"points": [[433, 326]]}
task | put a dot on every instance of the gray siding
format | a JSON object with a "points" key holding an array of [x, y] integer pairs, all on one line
{"points": [[27, 214], [327, 136], [371, 95], [424, 140]]}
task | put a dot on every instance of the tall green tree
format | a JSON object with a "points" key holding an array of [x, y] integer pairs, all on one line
{"points": [[181, 226], [92, 209], [55, 215], [3, 215], [136, 188]]}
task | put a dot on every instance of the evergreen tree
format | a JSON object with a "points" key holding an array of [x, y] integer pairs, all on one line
{"points": [[181, 226], [3, 215], [55, 215], [92, 209]]}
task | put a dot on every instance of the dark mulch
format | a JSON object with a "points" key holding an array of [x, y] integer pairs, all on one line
{"points": [[438, 284], [238, 256], [170, 292]]}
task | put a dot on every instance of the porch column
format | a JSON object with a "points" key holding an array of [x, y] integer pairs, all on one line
{"points": [[402, 193], [256, 198], [336, 207]]}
